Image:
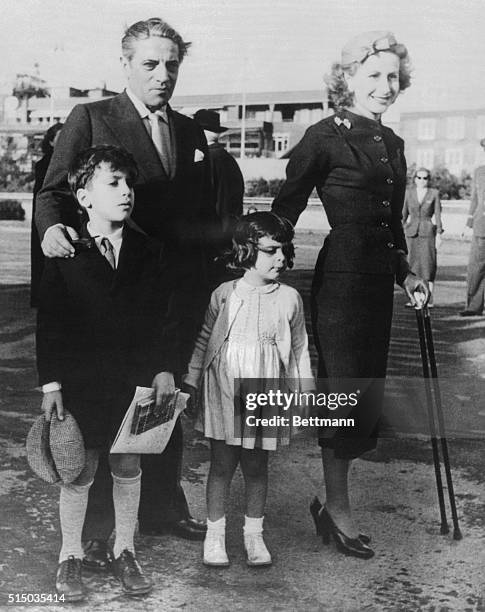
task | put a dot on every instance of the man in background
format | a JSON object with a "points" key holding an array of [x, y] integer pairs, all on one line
{"points": [[476, 263], [226, 177]]}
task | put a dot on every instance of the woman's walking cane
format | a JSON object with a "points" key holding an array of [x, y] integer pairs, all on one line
{"points": [[433, 400]]}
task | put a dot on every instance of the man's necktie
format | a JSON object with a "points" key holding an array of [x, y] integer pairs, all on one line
{"points": [[108, 252], [160, 132]]}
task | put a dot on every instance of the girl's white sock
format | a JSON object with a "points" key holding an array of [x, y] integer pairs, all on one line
{"points": [[73, 502], [126, 499], [253, 525], [218, 526]]}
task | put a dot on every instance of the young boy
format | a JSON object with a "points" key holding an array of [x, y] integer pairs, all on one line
{"points": [[105, 324]]}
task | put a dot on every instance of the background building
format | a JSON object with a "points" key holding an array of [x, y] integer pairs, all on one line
{"points": [[448, 138]]}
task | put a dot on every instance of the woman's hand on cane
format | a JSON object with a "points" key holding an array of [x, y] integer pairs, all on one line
{"points": [[417, 290]]}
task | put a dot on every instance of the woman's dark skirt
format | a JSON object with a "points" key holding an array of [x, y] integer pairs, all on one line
{"points": [[422, 256], [351, 315]]}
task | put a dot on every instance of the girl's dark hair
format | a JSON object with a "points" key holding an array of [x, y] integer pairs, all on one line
{"points": [[250, 229]]}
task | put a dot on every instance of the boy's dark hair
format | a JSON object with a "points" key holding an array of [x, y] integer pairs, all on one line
{"points": [[250, 229], [84, 165]]}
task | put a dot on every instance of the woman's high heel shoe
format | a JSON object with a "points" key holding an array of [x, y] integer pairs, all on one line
{"points": [[315, 510], [348, 546]]}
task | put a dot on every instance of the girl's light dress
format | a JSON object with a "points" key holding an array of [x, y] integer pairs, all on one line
{"points": [[249, 352]]}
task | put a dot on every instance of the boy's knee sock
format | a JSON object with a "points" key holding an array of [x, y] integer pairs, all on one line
{"points": [[126, 499], [72, 511]]}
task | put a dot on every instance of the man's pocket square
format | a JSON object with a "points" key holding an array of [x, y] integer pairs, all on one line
{"points": [[198, 155]]}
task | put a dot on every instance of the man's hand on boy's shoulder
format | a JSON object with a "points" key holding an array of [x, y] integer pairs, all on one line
{"points": [[57, 241], [52, 402]]}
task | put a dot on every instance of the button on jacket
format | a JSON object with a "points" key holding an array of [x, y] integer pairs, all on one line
{"points": [[358, 168]]}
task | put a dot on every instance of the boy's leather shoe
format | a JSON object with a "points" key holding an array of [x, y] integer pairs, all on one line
{"points": [[69, 582], [129, 573], [97, 556]]}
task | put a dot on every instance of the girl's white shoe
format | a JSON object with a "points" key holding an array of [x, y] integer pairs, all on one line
{"points": [[256, 551], [215, 550]]}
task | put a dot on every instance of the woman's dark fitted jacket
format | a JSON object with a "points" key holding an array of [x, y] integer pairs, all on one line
{"points": [[358, 168]]}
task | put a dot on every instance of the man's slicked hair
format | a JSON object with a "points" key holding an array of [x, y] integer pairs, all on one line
{"points": [[141, 30]]}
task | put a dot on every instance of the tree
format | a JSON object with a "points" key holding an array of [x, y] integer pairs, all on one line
{"points": [[15, 167]]}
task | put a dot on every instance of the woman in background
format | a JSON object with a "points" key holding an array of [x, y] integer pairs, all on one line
{"points": [[420, 204]]}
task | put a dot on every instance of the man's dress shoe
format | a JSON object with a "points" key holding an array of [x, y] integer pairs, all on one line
{"points": [[189, 529], [470, 313], [97, 556]]}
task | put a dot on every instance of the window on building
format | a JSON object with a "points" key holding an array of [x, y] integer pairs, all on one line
{"points": [[454, 160], [479, 156], [455, 127], [281, 142], [426, 129], [425, 157], [481, 126]]}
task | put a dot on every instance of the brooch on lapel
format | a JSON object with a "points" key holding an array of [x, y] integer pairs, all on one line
{"points": [[198, 155], [345, 122]]}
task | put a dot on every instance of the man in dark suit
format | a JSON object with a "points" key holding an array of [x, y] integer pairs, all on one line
{"points": [[476, 265], [173, 204]]}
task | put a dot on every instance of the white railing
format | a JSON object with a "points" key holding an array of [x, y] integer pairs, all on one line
{"points": [[313, 217]]}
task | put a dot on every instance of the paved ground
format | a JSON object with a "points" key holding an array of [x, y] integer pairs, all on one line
{"points": [[393, 488]]}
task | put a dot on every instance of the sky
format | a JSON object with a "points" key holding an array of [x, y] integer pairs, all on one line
{"points": [[256, 45]]}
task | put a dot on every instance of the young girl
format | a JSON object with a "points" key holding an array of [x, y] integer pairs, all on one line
{"points": [[254, 329]]}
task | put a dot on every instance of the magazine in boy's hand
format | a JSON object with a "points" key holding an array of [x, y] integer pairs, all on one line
{"points": [[146, 428], [148, 415]]}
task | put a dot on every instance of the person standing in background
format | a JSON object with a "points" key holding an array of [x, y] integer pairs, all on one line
{"points": [[420, 204], [226, 176], [40, 170], [476, 264]]}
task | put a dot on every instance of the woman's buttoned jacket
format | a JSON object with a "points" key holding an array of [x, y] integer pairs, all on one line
{"points": [[358, 168], [418, 214], [291, 339]]}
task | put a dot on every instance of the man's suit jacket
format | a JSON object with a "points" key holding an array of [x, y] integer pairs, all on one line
{"points": [[177, 211], [417, 215], [101, 332], [170, 209], [477, 202]]}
